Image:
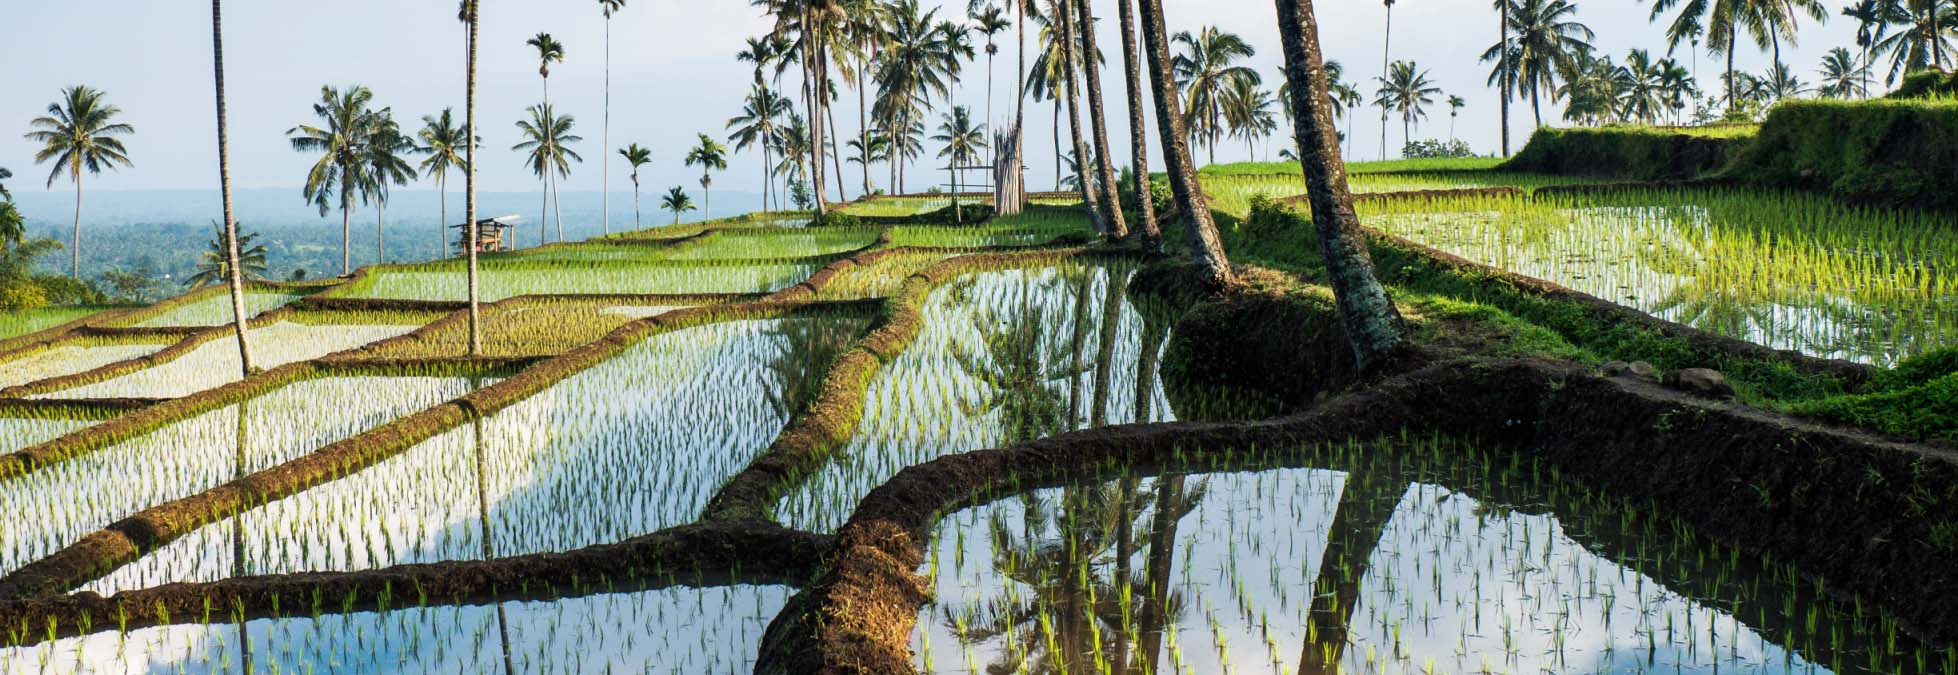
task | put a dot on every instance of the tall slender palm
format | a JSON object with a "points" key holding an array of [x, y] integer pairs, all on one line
{"points": [[1842, 76], [964, 141], [1110, 199], [1722, 20], [549, 51], [710, 156], [1247, 111], [340, 139], [756, 126], [442, 143], [1924, 34], [229, 231], [1138, 131], [1544, 40], [471, 16], [1644, 97], [677, 201], [1407, 90], [1872, 22], [547, 136], [990, 21], [764, 52], [1373, 325], [1346, 98], [1206, 66], [1386, 60], [608, 7], [1206, 248], [1506, 78], [636, 156], [1455, 105], [866, 36], [79, 133], [385, 166], [919, 62], [1071, 56]]}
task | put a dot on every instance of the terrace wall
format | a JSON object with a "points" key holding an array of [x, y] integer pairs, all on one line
{"points": [[1888, 152], [1631, 153]]}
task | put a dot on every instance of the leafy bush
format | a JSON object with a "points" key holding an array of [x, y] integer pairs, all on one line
{"points": [[1890, 152], [1638, 153], [1436, 149], [1927, 84]]}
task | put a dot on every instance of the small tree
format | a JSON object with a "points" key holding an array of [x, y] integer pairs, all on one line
{"points": [[214, 266], [677, 201]]}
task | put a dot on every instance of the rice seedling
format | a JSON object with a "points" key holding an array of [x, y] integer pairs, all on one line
{"points": [[24, 428], [22, 322], [1003, 357], [70, 357], [772, 244], [1389, 166], [1232, 193], [215, 309], [633, 445], [1026, 229], [902, 206], [502, 279], [215, 363], [524, 327], [712, 630], [1788, 271], [1375, 559], [880, 278], [64, 501]]}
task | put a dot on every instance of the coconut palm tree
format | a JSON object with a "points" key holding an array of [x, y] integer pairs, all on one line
{"points": [[1764, 21], [215, 265], [1247, 111], [1206, 66], [710, 156], [637, 157], [1594, 89], [13, 227], [1924, 35], [1842, 75], [472, 17], [1109, 201], [1152, 235], [4, 194], [1386, 66], [964, 141], [78, 134], [1406, 90], [1206, 248], [1645, 94], [677, 201], [1872, 22], [1505, 80], [607, 7], [341, 141], [547, 137], [756, 126], [1544, 41], [989, 21], [442, 143], [229, 230], [1781, 84], [549, 51], [1455, 105], [384, 166], [920, 61]]}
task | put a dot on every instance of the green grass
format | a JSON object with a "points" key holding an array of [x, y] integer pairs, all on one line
{"points": [[1233, 192]]}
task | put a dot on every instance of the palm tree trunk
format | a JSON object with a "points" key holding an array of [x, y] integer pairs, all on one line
{"points": [[75, 250], [1111, 200], [1373, 325], [813, 70], [1366, 503], [1020, 99], [346, 223], [442, 232], [380, 231], [469, 187], [1157, 568], [1504, 81], [635, 199], [863, 134], [1733, 103], [1065, 11], [605, 182], [557, 205], [543, 205], [237, 279], [1536, 108], [1386, 65], [992, 151], [1152, 235], [835, 150], [1206, 249], [1060, 159]]}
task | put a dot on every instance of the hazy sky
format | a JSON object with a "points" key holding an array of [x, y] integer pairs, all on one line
{"points": [[674, 74]]}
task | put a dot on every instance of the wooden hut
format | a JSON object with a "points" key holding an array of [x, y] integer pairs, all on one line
{"points": [[490, 233]]}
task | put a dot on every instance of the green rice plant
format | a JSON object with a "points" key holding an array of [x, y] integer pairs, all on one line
{"points": [[635, 444], [215, 309], [70, 357], [1785, 270], [1423, 557], [1352, 167], [22, 322], [1003, 357], [714, 631], [81, 495], [1232, 193], [215, 363], [774, 244], [880, 278], [1032, 228], [522, 328], [900, 206], [500, 280], [23, 428]]}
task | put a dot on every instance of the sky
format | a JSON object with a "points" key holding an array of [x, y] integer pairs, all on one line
{"points": [[673, 75]]}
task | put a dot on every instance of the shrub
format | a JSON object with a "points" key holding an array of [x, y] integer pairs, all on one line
{"points": [[1927, 84], [1887, 152], [1638, 153], [1436, 149]]}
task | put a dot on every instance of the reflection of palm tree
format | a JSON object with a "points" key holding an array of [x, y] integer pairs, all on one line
{"points": [[1366, 503], [239, 569], [1024, 388], [483, 519], [1070, 598], [809, 347]]}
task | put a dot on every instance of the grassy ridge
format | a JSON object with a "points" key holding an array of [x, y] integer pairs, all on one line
{"points": [[1890, 152]]}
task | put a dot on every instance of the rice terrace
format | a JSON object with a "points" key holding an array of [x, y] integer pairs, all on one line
{"points": [[1095, 337]]}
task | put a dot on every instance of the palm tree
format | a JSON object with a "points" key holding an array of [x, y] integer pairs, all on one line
{"points": [[79, 133], [1594, 89], [1110, 200], [1764, 20], [919, 61], [1925, 35], [1645, 96], [384, 166], [548, 137], [711, 156], [549, 51], [229, 231], [1346, 98], [756, 126], [1506, 77], [1206, 67], [989, 22], [13, 227], [215, 265], [1247, 111], [471, 16], [1842, 77], [637, 157], [963, 142], [1872, 21], [1408, 91], [605, 136], [1206, 249], [1455, 105], [4, 194], [1386, 61], [677, 201], [341, 140], [443, 144], [1782, 84], [1544, 40], [1138, 132]]}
